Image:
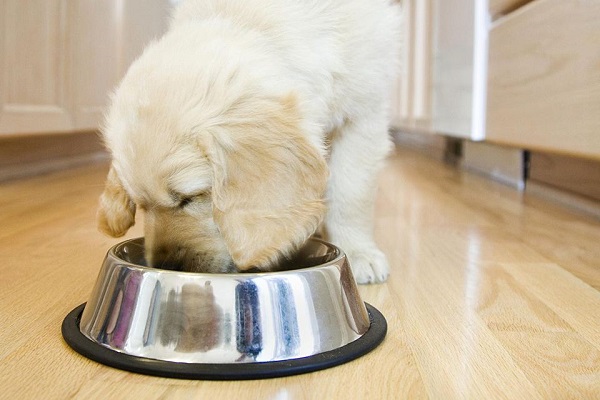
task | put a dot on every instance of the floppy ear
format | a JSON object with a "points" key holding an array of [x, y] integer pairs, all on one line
{"points": [[117, 211], [269, 183]]}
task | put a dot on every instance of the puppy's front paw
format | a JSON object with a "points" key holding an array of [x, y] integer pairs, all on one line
{"points": [[369, 265]]}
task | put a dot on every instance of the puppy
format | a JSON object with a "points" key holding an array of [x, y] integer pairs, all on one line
{"points": [[249, 125]]}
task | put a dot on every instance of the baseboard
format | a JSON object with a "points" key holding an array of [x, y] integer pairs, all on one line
{"points": [[566, 182], [429, 144], [502, 164], [574, 202], [25, 156], [572, 174]]}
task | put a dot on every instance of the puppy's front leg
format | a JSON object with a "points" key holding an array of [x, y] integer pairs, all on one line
{"points": [[358, 151]]}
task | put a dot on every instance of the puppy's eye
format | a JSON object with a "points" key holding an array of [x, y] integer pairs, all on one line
{"points": [[185, 201]]}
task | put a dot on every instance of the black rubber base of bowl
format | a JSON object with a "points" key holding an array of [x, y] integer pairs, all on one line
{"points": [[259, 370]]}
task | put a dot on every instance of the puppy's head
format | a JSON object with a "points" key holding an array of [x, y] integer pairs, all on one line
{"points": [[224, 181]]}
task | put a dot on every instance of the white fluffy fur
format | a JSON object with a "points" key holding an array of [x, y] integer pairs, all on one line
{"points": [[235, 128]]}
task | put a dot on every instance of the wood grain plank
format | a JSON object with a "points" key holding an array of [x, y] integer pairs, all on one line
{"points": [[539, 338]]}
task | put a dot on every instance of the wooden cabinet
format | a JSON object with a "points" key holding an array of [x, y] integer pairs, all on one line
{"points": [[521, 73], [61, 58], [544, 78]]}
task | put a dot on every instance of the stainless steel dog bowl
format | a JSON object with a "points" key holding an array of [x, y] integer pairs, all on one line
{"points": [[224, 326]]}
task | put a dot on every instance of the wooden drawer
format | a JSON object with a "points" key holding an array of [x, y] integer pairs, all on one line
{"points": [[544, 78]]}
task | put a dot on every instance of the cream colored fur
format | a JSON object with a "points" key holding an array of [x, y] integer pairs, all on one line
{"points": [[249, 124]]}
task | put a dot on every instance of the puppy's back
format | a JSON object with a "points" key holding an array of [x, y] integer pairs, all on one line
{"points": [[344, 50]]}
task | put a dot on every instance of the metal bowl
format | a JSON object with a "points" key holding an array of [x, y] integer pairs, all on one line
{"points": [[225, 326]]}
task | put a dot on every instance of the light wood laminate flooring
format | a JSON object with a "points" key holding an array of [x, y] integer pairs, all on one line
{"points": [[492, 295]]}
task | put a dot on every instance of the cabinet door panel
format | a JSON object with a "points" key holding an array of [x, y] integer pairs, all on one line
{"points": [[544, 80], [96, 26], [33, 66], [459, 68], [110, 35]]}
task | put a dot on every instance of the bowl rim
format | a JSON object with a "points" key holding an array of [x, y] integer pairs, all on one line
{"points": [[143, 268]]}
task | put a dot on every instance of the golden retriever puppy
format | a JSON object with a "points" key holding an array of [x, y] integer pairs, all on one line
{"points": [[249, 125]]}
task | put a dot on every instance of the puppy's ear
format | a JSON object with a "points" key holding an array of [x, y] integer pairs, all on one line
{"points": [[269, 183], [116, 213]]}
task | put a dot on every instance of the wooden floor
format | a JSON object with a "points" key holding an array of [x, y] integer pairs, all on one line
{"points": [[492, 295]]}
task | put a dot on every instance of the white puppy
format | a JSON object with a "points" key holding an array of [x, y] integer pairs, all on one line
{"points": [[247, 125]]}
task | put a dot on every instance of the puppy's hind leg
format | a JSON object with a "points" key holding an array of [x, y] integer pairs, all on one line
{"points": [[358, 151]]}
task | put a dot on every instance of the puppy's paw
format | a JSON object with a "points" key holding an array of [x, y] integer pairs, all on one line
{"points": [[369, 265]]}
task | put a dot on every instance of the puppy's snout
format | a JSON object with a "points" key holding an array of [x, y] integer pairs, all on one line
{"points": [[164, 257], [180, 259]]}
